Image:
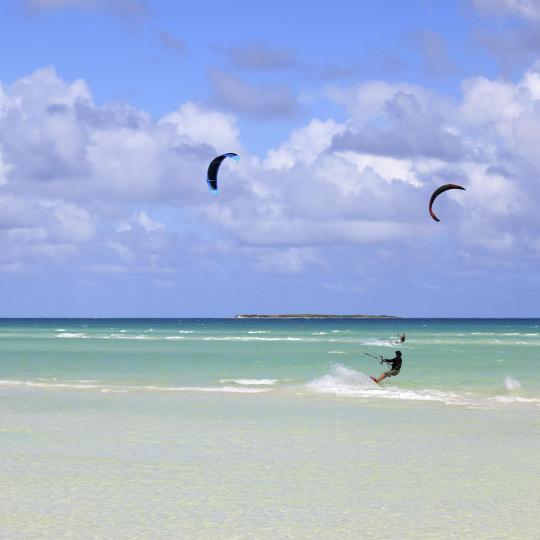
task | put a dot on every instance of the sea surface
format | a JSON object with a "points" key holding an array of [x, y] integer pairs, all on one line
{"points": [[257, 428]]}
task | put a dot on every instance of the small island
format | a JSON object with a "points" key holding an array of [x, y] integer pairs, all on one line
{"points": [[314, 316]]}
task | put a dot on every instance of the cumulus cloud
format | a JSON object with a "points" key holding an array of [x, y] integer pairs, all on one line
{"points": [[113, 190], [412, 129], [70, 168], [267, 102]]}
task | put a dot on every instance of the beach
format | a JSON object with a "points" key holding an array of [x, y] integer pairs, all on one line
{"points": [[221, 428]]}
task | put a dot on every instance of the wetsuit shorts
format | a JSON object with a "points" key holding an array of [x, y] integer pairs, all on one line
{"points": [[392, 372]]}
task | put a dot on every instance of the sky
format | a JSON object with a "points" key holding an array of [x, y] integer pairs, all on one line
{"points": [[346, 116]]}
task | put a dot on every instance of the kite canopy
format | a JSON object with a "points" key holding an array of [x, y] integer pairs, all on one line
{"points": [[436, 193], [213, 169]]}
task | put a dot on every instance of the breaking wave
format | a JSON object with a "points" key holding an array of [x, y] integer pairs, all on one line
{"points": [[250, 382], [106, 388], [378, 343]]}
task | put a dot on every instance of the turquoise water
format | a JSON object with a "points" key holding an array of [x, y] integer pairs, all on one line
{"points": [[269, 429]]}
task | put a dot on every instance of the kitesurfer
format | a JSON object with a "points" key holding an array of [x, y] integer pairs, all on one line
{"points": [[395, 364], [401, 338]]}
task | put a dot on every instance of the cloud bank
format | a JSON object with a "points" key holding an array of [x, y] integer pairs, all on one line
{"points": [[106, 189]]}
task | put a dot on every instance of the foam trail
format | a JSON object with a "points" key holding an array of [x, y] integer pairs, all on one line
{"points": [[345, 382]]}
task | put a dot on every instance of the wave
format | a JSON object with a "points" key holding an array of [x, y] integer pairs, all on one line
{"points": [[345, 382], [247, 338], [258, 331], [528, 334], [378, 343], [337, 352], [250, 382], [104, 388], [118, 336], [76, 335]]}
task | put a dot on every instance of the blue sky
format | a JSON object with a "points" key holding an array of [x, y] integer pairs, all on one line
{"points": [[346, 115]]}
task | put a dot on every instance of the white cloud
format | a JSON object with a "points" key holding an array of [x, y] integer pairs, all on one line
{"points": [[74, 177], [193, 124], [304, 145], [386, 167], [148, 224]]}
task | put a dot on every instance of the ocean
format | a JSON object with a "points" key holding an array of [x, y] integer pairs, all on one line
{"points": [[265, 428]]}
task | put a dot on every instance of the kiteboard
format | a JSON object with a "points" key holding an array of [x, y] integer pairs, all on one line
{"points": [[373, 379]]}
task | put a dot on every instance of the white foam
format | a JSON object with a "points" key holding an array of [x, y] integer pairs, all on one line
{"points": [[186, 331], [175, 337], [226, 389], [120, 336], [514, 399], [528, 334], [340, 379], [337, 352], [244, 338], [73, 335], [258, 331], [37, 384], [377, 343], [250, 382], [124, 389], [511, 383], [343, 381], [319, 333]]}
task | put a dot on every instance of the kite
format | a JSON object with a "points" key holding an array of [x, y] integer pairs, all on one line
{"points": [[436, 193], [213, 169]]}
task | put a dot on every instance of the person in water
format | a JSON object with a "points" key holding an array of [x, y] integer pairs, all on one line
{"points": [[401, 338], [395, 364]]}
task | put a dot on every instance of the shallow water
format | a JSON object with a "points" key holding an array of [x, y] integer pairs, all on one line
{"points": [[269, 429]]}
